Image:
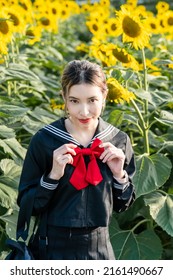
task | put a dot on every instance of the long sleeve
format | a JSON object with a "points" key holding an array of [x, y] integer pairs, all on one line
{"points": [[124, 193], [36, 166]]}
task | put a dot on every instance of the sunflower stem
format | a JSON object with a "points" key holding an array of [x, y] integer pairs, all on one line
{"points": [[6, 60], [141, 119], [146, 130], [14, 60]]}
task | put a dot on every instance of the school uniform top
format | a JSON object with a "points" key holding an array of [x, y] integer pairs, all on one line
{"points": [[67, 206]]}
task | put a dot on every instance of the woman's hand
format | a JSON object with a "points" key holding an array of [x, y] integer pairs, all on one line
{"points": [[61, 157], [114, 158]]}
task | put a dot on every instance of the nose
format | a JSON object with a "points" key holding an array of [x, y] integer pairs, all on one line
{"points": [[84, 110]]}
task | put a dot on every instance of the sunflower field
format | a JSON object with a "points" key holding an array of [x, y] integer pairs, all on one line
{"points": [[134, 45]]}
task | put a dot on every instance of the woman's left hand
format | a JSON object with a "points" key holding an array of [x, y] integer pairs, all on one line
{"points": [[114, 158]]}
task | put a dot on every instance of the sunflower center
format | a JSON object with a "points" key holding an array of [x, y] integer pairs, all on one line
{"points": [[4, 27], [170, 21], [45, 21], [14, 19], [29, 33], [114, 92], [131, 28], [95, 27], [54, 11], [113, 27], [63, 13], [153, 26], [121, 56], [24, 6]]}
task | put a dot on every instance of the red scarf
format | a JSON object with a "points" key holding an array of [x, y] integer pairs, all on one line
{"points": [[83, 176]]}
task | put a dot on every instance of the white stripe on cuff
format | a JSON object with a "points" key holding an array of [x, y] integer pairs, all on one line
{"points": [[48, 185], [120, 187]]}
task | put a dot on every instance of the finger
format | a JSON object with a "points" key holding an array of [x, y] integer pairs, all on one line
{"points": [[67, 148], [106, 151], [64, 159], [107, 158], [106, 145]]}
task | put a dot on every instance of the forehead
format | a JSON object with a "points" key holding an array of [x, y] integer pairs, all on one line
{"points": [[84, 90]]}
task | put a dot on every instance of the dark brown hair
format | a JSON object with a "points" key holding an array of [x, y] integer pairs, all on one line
{"points": [[82, 72]]}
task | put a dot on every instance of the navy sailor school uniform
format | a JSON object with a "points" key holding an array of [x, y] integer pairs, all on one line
{"points": [[66, 206]]}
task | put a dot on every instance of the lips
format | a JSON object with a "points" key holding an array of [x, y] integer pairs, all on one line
{"points": [[84, 120]]}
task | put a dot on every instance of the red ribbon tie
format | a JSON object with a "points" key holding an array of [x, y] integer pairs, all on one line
{"points": [[83, 176]]}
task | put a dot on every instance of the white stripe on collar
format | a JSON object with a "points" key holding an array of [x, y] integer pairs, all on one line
{"points": [[65, 135], [61, 133], [105, 132]]}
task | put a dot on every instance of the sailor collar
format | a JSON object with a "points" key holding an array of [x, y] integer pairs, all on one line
{"points": [[104, 131]]}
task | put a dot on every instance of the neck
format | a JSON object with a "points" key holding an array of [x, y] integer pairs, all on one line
{"points": [[82, 135]]}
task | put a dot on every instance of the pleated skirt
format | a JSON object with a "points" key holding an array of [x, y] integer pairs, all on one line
{"points": [[76, 244]]}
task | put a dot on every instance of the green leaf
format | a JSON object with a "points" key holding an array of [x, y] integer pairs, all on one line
{"points": [[129, 246], [116, 117], [13, 110], [151, 173], [11, 222], [166, 118], [14, 148], [150, 245], [3, 237], [19, 72], [161, 210], [6, 132], [10, 168], [143, 94], [155, 98], [158, 81], [8, 196]]}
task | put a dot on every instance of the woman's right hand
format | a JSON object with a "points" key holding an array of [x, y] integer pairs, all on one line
{"points": [[61, 157]]}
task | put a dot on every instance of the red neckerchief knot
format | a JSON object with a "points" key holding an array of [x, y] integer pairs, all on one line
{"points": [[83, 176]]}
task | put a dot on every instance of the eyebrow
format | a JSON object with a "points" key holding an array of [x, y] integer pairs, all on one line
{"points": [[79, 98]]}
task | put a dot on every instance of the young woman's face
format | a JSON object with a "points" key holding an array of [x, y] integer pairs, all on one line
{"points": [[84, 103]]}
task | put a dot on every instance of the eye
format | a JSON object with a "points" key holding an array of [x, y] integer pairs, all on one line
{"points": [[92, 100], [74, 101]]}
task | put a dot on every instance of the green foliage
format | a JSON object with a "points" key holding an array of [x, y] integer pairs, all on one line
{"points": [[30, 80]]}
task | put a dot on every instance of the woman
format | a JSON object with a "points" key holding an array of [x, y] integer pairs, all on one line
{"points": [[77, 170]]}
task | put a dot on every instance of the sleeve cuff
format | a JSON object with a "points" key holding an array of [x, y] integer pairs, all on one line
{"points": [[48, 183], [123, 180]]}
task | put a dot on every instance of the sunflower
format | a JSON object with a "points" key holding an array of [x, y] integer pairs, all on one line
{"points": [[125, 58], [83, 48], [28, 10], [67, 8], [99, 13], [162, 7], [33, 34], [3, 3], [47, 21], [153, 24], [168, 21], [111, 27], [96, 28], [105, 3], [133, 29], [161, 20], [6, 27], [85, 8], [152, 69], [54, 105], [15, 13], [102, 52], [117, 93], [131, 4]]}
